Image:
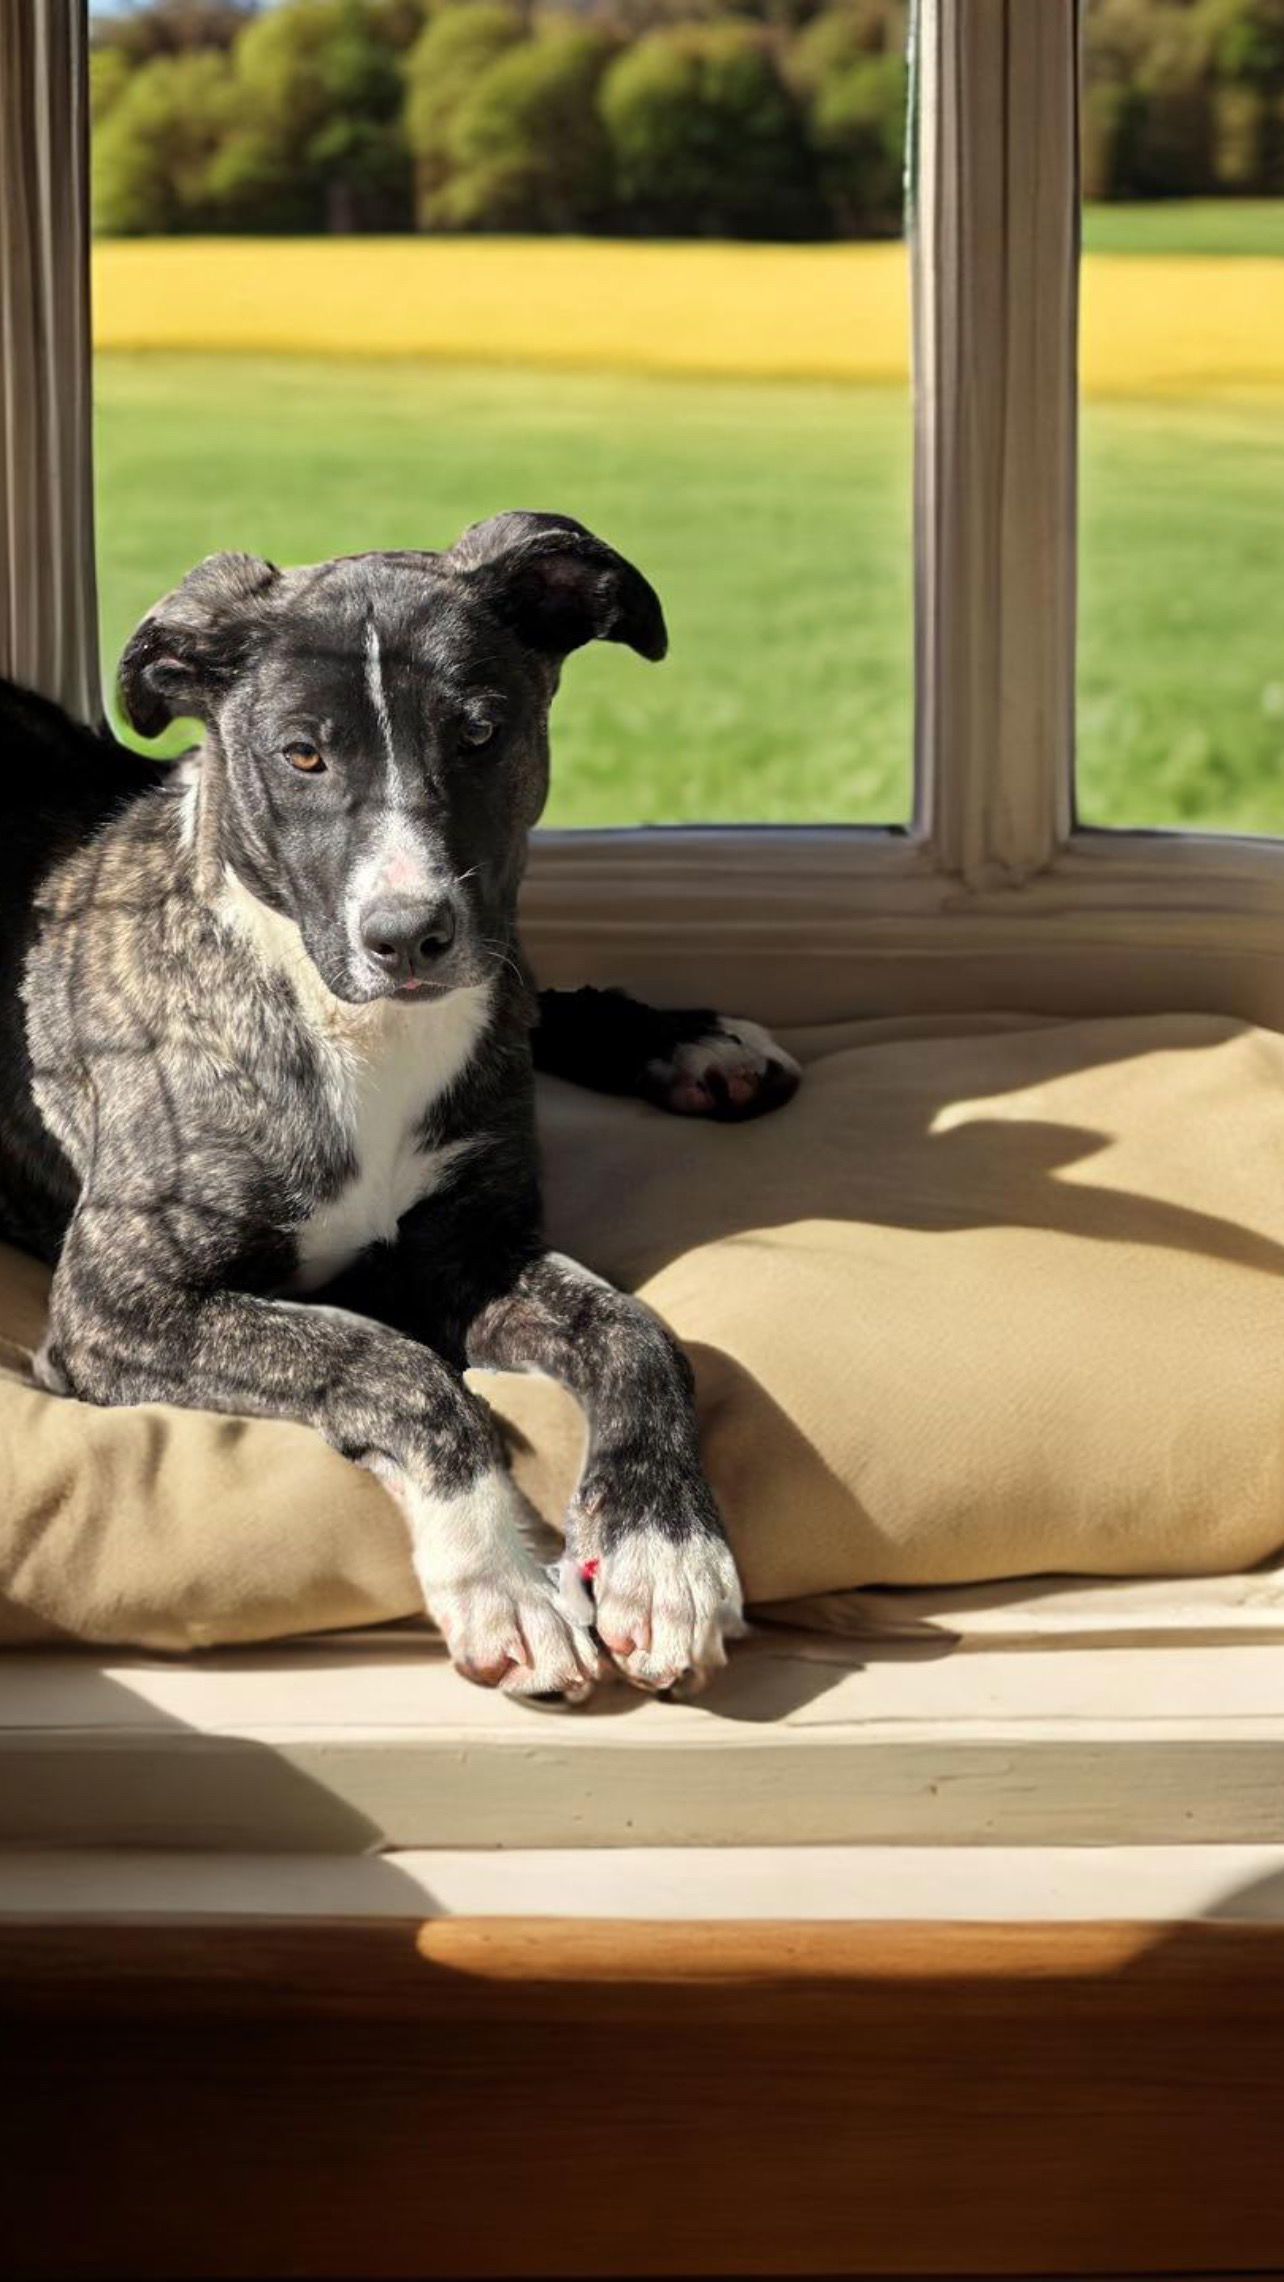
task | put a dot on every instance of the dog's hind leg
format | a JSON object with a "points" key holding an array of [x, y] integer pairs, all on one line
{"points": [[685, 1059], [643, 1522], [122, 1330]]}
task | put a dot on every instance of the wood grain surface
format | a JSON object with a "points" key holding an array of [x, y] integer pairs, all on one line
{"points": [[523, 2098]]}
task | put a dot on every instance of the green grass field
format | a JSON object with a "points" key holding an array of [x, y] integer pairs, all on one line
{"points": [[775, 521], [1187, 226]]}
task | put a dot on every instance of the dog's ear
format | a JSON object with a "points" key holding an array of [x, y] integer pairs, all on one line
{"points": [[191, 645], [557, 586]]}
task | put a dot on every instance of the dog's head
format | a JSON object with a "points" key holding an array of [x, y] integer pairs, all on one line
{"points": [[377, 732]]}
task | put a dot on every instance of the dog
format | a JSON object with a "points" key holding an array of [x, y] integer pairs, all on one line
{"points": [[269, 1041]]}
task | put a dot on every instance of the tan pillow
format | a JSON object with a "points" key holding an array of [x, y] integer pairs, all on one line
{"points": [[996, 1301]]}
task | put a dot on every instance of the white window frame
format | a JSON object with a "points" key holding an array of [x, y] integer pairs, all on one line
{"points": [[994, 895]]}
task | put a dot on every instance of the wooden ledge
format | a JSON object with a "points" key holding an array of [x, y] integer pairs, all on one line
{"points": [[747, 1885], [367, 1746]]}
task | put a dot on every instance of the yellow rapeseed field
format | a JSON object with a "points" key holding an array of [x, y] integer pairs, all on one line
{"points": [[1180, 323]]}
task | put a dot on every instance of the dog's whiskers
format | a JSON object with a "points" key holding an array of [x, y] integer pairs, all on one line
{"points": [[502, 957]]}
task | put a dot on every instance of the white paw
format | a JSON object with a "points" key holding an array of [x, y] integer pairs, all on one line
{"points": [[507, 1633], [494, 1606], [666, 1608], [735, 1071]]}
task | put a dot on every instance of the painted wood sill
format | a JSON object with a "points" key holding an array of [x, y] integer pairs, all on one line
{"points": [[370, 1745]]}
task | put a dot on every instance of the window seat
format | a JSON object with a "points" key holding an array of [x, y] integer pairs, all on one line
{"points": [[330, 1962]]}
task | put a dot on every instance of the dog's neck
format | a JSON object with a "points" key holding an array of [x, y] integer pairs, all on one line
{"points": [[204, 840], [278, 947]]}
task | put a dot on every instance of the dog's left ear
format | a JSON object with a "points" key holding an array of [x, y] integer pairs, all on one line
{"points": [[191, 645], [559, 587]]}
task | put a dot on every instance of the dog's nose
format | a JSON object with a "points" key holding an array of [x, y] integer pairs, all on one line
{"points": [[406, 940]]}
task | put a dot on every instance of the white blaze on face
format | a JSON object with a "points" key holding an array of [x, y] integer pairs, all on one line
{"points": [[397, 865], [375, 688]]}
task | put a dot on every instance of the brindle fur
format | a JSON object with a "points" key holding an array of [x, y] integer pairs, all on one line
{"points": [[172, 1123]]}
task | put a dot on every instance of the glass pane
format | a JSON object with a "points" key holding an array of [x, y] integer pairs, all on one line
{"points": [[1181, 645], [685, 348]]}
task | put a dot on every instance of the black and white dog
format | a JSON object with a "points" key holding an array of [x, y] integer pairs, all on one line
{"points": [[268, 1095]]}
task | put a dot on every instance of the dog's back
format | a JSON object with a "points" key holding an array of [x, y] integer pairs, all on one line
{"points": [[59, 783]]}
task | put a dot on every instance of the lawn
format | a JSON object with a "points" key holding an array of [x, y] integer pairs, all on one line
{"points": [[1181, 614], [737, 419], [1187, 226], [773, 520]]}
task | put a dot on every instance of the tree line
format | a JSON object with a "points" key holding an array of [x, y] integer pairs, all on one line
{"points": [[211, 115], [767, 119], [1184, 99]]}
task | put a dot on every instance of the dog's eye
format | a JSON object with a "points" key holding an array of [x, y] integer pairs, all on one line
{"points": [[303, 756], [475, 733]]}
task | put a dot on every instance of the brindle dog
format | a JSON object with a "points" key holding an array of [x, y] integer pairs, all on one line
{"points": [[271, 1108]]}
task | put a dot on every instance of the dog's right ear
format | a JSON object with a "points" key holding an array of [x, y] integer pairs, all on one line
{"points": [[191, 645], [558, 586]]}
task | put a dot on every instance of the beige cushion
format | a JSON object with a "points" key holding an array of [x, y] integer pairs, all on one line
{"points": [[991, 1298]]}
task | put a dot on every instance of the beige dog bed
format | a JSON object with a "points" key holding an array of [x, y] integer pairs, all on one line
{"points": [[991, 1298]]}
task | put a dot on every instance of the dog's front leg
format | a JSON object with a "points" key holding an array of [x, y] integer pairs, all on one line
{"points": [[122, 1334], [643, 1520]]}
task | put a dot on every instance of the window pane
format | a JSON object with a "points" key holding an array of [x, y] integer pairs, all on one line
{"points": [[1181, 647], [733, 415]]}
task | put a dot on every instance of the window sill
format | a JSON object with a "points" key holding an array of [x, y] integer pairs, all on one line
{"points": [[371, 1745]]}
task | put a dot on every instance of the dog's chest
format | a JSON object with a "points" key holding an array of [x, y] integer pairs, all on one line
{"points": [[379, 1080]]}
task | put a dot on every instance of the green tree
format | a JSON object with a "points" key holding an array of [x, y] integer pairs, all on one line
{"points": [[1150, 99], [399, 23], [109, 76], [254, 185], [1116, 33], [708, 139], [843, 35], [528, 149], [153, 151], [1247, 42], [1247, 48], [455, 48], [858, 130], [324, 96], [172, 27]]}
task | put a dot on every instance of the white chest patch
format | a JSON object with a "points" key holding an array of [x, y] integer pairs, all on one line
{"points": [[384, 1066], [383, 1084]]}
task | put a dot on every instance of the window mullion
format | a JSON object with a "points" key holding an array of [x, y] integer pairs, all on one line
{"points": [[48, 611], [995, 254]]}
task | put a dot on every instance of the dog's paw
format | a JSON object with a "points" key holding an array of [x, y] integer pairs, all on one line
{"points": [[733, 1070], [506, 1632], [666, 1607]]}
